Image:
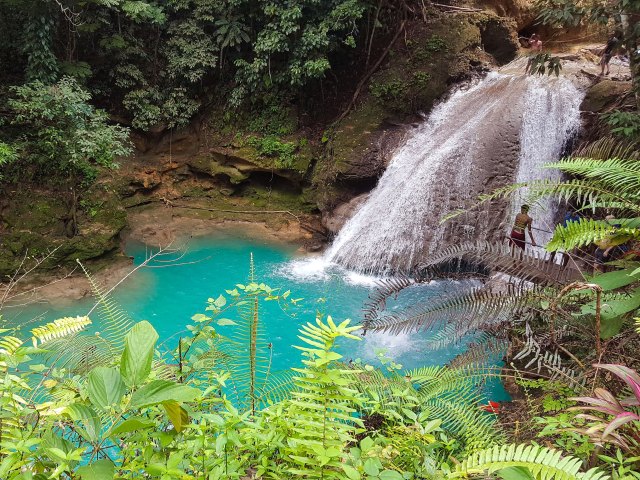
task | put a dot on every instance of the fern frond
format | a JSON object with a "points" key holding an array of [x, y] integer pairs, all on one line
{"points": [[481, 352], [607, 147], [474, 307], [114, 321], [618, 175], [9, 345], [322, 411], [587, 231], [59, 328], [543, 358], [463, 418], [281, 386], [385, 288], [80, 354], [471, 257], [543, 463]]}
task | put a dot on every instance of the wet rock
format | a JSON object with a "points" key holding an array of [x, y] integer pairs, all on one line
{"points": [[604, 93], [522, 12], [146, 180], [333, 221]]}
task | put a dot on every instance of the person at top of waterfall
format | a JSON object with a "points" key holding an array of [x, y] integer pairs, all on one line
{"points": [[523, 222], [535, 44], [611, 46]]}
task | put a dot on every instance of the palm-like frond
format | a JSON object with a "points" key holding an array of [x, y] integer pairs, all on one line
{"points": [[59, 328], [463, 418], [481, 352], [473, 308], [471, 257], [543, 463], [607, 147], [619, 175], [451, 395], [385, 288]]}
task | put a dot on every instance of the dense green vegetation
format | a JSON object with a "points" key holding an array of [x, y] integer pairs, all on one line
{"points": [[81, 402], [116, 404], [157, 61]]}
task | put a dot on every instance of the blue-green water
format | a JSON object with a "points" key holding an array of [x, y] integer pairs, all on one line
{"points": [[175, 287]]}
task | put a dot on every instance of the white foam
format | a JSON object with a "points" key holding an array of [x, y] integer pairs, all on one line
{"points": [[319, 269], [393, 346], [311, 269]]}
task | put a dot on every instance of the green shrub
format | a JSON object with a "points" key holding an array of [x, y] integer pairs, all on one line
{"points": [[271, 146], [626, 124]]}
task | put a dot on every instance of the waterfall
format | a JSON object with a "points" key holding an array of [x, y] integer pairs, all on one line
{"points": [[500, 130], [542, 141]]}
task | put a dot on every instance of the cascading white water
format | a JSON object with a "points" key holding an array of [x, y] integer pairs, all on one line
{"points": [[469, 145], [551, 116]]}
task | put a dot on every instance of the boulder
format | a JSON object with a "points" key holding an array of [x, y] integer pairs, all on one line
{"points": [[604, 93], [333, 221]]}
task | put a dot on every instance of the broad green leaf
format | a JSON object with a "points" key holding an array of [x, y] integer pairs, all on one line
{"points": [[226, 321], [159, 391], [140, 343], [178, 415], [366, 444], [612, 312], [131, 425], [352, 473], [390, 475], [99, 470], [199, 317], [105, 387], [372, 467], [88, 417], [617, 279], [515, 473]]}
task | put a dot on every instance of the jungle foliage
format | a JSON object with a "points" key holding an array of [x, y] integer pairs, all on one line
{"points": [[158, 62], [89, 404]]}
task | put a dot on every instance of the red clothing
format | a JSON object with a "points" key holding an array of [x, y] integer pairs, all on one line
{"points": [[518, 239]]}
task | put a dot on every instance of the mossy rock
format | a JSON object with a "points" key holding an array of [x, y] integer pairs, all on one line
{"points": [[34, 226]]}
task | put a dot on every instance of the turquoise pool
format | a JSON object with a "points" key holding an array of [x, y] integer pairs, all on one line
{"points": [[169, 292]]}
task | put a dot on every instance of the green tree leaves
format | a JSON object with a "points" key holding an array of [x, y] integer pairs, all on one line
{"points": [[63, 136], [137, 356], [105, 387]]}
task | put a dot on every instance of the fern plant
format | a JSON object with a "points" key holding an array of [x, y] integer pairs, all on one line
{"points": [[322, 411], [525, 461], [244, 351]]}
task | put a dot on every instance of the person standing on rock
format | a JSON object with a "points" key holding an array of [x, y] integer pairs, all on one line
{"points": [[612, 44], [523, 222], [535, 44]]}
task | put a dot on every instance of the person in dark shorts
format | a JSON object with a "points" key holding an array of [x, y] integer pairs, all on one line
{"points": [[611, 46], [523, 222]]}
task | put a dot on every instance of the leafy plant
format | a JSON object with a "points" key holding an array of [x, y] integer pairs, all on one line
{"points": [[63, 135], [623, 430], [626, 124], [525, 461], [545, 63], [272, 147]]}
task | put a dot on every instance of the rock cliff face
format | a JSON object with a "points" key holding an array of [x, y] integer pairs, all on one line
{"points": [[444, 51]]}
